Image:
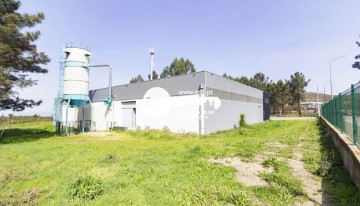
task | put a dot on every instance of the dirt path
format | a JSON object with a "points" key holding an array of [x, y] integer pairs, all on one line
{"points": [[312, 186], [248, 172]]}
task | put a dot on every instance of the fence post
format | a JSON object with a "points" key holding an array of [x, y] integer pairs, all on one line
{"points": [[341, 123], [354, 125], [332, 111]]}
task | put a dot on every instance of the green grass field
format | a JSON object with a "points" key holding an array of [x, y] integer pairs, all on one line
{"points": [[161, 168]]}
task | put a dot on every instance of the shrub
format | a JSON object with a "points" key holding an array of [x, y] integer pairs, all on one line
{"points": [[242, 121], [86, 188]]}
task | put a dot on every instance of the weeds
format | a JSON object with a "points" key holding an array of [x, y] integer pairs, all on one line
{"points": [[282, 176], [87, 188]]}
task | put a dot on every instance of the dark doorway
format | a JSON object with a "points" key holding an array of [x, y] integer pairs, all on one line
{"points": [[266, 105]]}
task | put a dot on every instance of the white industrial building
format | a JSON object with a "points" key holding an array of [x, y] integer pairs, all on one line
{"points": [[200, 102]]}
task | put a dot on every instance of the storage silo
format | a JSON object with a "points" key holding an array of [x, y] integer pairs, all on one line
{"points": [[73, 92], [76, 75]]}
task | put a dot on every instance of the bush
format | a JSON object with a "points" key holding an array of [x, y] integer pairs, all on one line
{"points": [[86, 188], [242, 122]]}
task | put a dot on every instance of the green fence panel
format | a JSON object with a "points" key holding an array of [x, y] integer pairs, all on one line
{"points": [[353, 114], [343, 111], [341, 114]]}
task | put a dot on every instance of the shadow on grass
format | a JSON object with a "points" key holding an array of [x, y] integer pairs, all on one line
{"points": [[337, 186], [17, 135]]}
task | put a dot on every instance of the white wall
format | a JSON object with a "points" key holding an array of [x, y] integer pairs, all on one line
{"points": [[179, 114], [103, 116], [72, 114]]}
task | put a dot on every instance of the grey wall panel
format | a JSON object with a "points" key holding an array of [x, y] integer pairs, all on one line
{"points": [[233, 96], [173, 86], [228, 114], [224, 84]]}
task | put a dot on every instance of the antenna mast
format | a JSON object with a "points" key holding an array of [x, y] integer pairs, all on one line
{"points": [[152, 52]]}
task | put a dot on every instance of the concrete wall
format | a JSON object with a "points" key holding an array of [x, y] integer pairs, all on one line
{"points": [[350, 153]]}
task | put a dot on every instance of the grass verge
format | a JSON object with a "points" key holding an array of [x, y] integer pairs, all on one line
{"points": [[162, 168]]}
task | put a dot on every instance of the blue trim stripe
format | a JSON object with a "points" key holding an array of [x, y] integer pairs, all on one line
{"points": [[77, 96], [76, 64]]}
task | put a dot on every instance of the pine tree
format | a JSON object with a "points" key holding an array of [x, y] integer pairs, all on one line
{"points": [[297, 87], [137, 79], [18, 55], [357, 57], [178, 67]]}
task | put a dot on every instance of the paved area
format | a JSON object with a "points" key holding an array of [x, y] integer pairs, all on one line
{"points": [[293, 118]]}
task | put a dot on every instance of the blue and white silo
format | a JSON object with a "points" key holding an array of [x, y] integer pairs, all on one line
{"points": [[73, 92], [76, 75]]}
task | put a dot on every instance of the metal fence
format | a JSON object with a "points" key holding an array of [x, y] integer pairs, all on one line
{"points": [[343, 111], [72, 127]]}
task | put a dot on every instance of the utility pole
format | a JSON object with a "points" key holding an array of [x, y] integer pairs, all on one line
{"points": [[152, 52], [330, 75]]}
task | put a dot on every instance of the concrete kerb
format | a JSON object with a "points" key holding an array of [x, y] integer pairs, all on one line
{"points": [[350, 153]]}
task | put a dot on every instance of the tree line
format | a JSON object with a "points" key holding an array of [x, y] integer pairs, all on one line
{"points": [[284, 94], [177, 67]]}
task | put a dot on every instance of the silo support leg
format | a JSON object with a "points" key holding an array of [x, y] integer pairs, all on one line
{"points": [[83, 120], [66, 120]]}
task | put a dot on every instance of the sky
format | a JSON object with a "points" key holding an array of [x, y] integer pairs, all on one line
{"points": [[240, 38]]}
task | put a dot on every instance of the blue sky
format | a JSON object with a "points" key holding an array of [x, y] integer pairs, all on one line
{"points": [[275, 37]]}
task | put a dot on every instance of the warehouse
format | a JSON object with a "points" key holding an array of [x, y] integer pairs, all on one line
{"points": [[200, 102]]}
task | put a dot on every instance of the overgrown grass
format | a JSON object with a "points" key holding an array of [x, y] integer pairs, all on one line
{"points": [[161, 168]]}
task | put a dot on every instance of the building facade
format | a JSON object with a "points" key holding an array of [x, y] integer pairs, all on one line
{"points": [[200, 103]]}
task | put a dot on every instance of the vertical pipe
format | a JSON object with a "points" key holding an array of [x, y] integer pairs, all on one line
{"points": [[201, 110], [202, 113], [110, 82], [353, 114], [92, 117], [113, 113]]}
